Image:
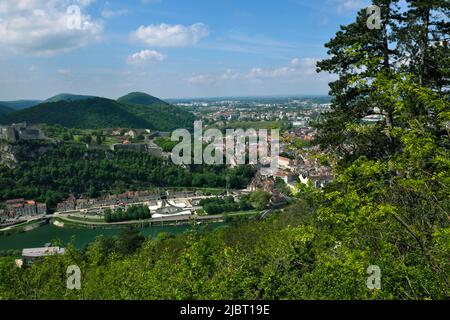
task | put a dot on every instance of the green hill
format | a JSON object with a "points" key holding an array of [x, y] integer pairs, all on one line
{"points": [[20, 104], [141, 98], [5, 110], [96, 113], [68, 97]]}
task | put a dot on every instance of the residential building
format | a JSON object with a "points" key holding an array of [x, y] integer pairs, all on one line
{"points": [[286, 176], [68, 205], [24, 208], [285, 163], [318, 181]]}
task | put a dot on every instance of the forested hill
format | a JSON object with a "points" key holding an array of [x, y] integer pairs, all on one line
{"points": [[141, 98], [68, 97], [20, 104], [97, 113], [5, 110]]}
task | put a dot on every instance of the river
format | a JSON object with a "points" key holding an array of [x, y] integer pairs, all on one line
{"points": [[81, 237]]}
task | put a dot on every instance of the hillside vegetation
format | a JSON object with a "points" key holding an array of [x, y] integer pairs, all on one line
{"points": [[20, 104], [5, 110], [68, 97], [97, 113], [141, 98], [67, 169]]}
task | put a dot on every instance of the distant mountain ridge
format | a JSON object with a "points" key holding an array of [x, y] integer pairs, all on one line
{"points": [[5, 110], [68, 97], [20, 104], [136, 110]]}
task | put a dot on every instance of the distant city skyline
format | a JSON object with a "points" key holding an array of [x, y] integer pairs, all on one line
{"points": [[168, 48]]}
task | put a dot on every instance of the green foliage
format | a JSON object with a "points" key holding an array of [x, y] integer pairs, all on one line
{"points": [[219, 205], [140, 98], [391, 192], [97, 113], [20, 104], [4, 110], [68, 97], [282, 258], [132, 213], [281, 186], [260, 199], [165, 143], [130, 240], [74, 169]]}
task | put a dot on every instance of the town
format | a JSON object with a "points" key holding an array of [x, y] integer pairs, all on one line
{"points": [[296, 165]]}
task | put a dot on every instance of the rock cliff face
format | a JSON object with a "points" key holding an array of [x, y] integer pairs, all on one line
{"points": [[12, 154]]}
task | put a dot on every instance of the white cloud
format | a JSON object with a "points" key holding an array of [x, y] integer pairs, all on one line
{"points": [[299, 68], [205, 78], [109, 12], [263, 73], [230, 75], [210, 78], [165, 35], [39, 27], [146, 56], [295, 61]]}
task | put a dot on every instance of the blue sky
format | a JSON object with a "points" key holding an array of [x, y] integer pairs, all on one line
{"points": [[168, 48]]}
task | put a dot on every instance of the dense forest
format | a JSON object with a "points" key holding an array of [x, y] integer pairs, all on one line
{"points": [[68, 97], [141, 98], [20, 104], [388, 206], [74, 169]]}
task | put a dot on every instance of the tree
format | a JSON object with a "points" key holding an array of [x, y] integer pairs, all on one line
{"points": [[108, 215], [423, 40], [359, 55], [410, 47], [260, 199], [391, 190], [130, 240]]}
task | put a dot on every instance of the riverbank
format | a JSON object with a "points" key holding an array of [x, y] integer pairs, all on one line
{"points": [[80, 237]]}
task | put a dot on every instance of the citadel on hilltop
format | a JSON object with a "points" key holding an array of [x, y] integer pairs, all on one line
{"points": [[21, 132]]}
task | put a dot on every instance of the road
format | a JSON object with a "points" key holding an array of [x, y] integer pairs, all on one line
{"points": [[82, 212], [217, 217]]}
